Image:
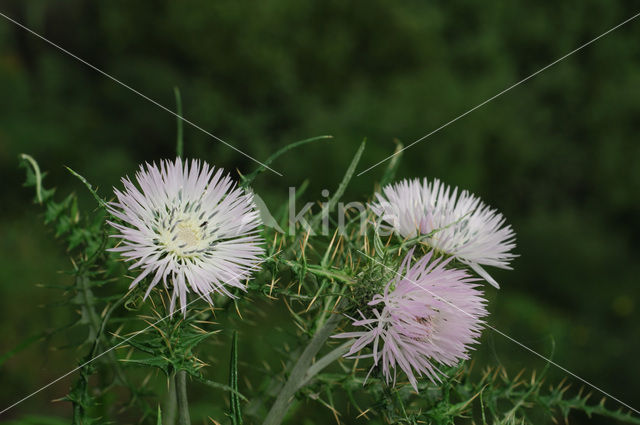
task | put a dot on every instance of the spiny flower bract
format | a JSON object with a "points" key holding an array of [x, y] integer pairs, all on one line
{"points": [[189, 225], [427, 316], [458, 223]]}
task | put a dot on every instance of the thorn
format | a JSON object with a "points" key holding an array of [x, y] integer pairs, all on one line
{"points": [[237, 309]]}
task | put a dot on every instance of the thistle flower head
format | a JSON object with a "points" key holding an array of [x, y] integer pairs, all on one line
{"points": [[427, 316], [457, 224], [188, 225]]}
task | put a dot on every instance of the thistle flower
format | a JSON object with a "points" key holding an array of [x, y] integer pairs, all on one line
{"points": [[427, 316], [458, 224], [189, 224]]}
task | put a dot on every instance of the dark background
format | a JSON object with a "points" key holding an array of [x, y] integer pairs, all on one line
{"points": [[558, 155]]}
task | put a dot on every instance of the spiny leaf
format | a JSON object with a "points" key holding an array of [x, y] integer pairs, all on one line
{"points": [[55, 209], [147, 345], [190, 339], [157, 362]]}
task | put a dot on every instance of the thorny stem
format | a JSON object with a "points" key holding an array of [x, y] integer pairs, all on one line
{"points": [[87, 299], [299, 372], [98, 327], [183, 403], [176, 398]]}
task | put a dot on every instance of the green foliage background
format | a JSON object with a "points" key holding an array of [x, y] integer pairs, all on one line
{"points": [[559, 155]]}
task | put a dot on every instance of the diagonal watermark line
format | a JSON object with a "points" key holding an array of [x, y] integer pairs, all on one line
{"points": [[505, 335], [136, 92], [503, 91], [122, 342]]}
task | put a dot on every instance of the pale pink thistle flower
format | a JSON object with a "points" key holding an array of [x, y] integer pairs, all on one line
{"points": [[428, 316], [462, 225], [188, 225]]}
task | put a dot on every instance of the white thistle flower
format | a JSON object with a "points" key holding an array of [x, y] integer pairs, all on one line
{"points": [[462, 225], [189, 224]]}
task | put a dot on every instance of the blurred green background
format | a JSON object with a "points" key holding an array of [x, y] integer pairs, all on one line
{"points": [[559, 155]]}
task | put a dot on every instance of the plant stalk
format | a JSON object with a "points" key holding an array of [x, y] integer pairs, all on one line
{"points": [[299, 372], [171, 403], [183, 403], [324, 362]]}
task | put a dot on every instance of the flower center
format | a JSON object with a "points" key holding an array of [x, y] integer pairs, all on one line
{"points": [[188, 234], [186, 237], [432, 324]]}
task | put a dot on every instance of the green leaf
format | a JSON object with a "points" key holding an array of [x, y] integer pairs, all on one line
{"points": [[190, 339], [77, 237], [55, 209], [380, 249], [219, 386], [39, 420], [391, 169], [347, 176], [148, 345], [235, 414], [331, 204], [159, 421], [157, 362], [248, 179], [24, 344]]}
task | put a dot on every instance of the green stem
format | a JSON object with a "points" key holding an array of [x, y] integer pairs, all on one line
{"points": [[36, 171], [183, 402], [299, 372], [324, 362], [179, 137], [98, 327], [170, 403], [87, 299]]}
